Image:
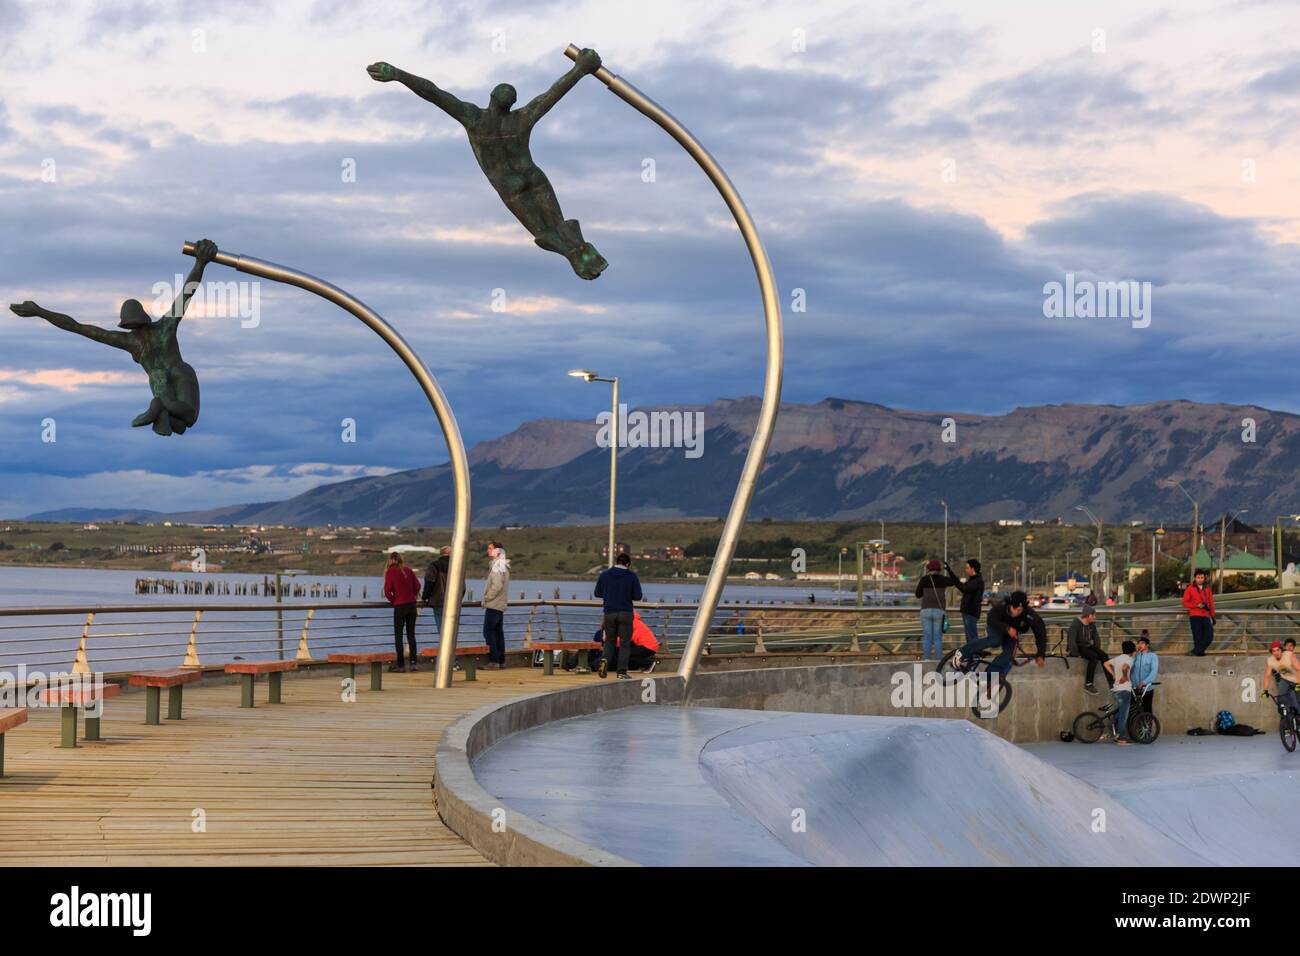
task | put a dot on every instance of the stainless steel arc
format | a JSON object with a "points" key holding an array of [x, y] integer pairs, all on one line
{"points": [[775, 356], [446, 420]]}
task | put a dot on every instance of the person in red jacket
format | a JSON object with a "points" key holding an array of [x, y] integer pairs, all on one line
{"points": [[1199, 601], [402, 588], [644, 647]]}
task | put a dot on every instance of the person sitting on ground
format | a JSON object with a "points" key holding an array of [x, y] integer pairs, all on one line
{"points": [[1283, 664], [1122, 668], [645, 647], [1084, 638], [1146, 668]]}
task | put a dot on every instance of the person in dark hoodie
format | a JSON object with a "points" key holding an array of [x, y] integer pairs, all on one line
{"points": [[972, 597], [618, 587], [435, 585]]}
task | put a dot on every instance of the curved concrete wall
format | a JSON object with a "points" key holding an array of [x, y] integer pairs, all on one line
{"points": [[1045, 701]]}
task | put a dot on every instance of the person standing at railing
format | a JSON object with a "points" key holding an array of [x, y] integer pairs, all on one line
{"points": [[932, 589], [1199, 601], [496, 594], [618, 587], [435, 585], [402, 588], [972, 598]]}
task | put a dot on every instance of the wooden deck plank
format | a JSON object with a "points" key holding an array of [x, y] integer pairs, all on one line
{"points": [[314, 781]]}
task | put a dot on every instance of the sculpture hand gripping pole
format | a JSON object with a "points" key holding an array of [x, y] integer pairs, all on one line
{"points": [[775, 356], [447, 421]]}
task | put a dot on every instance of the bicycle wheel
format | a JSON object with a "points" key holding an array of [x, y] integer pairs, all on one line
{"points": [[1088, 727], [946, 670], [1287, 729], [1143, 728], [983, 703]]}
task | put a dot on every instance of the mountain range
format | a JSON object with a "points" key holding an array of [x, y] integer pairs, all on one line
{"points": [[842, 460]]}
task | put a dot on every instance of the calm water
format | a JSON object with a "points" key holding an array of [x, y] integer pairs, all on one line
{"points": [[79, 587]]}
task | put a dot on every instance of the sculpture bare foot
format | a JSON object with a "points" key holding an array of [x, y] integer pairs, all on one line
{"points": [[163, 424], [149, 415]]}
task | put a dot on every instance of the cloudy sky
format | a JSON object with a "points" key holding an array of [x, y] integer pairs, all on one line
{"points": [[919, 170]]}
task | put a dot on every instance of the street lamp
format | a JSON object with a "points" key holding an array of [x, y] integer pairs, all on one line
{"points": [[1105, 582], [945, 532], [589, 376], [1155, 535], [1223, 537], [1196, 524], [1024, 541], [839, 574]]}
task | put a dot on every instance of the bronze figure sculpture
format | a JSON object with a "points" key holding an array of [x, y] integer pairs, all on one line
{"points": [[153, 345], [499, 137]]}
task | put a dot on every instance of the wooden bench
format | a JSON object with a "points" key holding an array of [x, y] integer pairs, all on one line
{"points": [[376, 660], [248, 671], [551, 647], [10, 717], [79, 696], [153, 682], [471, 653]]}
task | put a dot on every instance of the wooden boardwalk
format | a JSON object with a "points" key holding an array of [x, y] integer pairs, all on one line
{"points": [[313, 781]]}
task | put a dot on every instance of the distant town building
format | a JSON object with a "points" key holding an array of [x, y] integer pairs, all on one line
{"points": [[669, 552]]}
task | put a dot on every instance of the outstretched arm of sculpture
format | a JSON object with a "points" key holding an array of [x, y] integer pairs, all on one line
{"points": [[588, 61], [205, 250], [454, 107], [28, 309]]}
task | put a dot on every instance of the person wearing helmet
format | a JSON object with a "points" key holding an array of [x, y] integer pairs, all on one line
{"points": [[1005, 622], [153, 345], [1282, 664]]}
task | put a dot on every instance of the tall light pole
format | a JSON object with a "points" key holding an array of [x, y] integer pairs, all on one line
{"points": [[588, 376], [839, 575], [1155, 535], [1196, 524], [1097, 521], [945, 532], [1023, 542], [442, 410], [1223, 537], [771, 402]]}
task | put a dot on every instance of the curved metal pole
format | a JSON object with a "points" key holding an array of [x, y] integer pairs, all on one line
{"points": [[775, 357], [450, 430]]}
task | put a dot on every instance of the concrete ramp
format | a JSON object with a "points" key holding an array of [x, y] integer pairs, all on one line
{"points": [[882, 791]]}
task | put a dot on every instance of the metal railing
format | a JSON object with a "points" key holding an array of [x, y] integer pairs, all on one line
{"points": [[113, 639]]}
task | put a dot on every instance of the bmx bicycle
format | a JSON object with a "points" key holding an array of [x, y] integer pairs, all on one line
{"points": [[950, 673], [1288, 725], [1143, 728]]}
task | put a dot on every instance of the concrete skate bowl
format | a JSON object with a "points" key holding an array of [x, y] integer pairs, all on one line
{"points": [[755, 783]]}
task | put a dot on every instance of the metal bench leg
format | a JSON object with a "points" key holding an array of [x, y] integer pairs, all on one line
{"points": [[69, 735], [151, 697], [92, 727], [246, 691], [352, 674], [470, 664], [548, 663], [2, 755], [273, 684], [376, 675], [175, 695]]}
